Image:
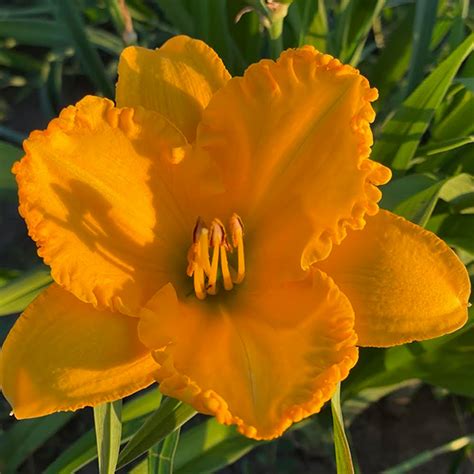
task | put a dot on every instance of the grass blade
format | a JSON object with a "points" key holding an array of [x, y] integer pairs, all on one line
{"points": [[402, 133], [425, 19], [33, 32], [84, 450], [25, 436], [210, 446], [17, 294], [446, 145], [175, 11], [171, 415], [69, 17], [413, 197], [161, 456], [108, 431], [364, 12], [429, 455], [341, 445]]}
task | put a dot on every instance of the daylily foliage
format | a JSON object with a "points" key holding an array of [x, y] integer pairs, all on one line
{"points": [[143, 210]]}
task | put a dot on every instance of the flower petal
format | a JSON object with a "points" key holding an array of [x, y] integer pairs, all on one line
{"points": [[62, 354], [295, 134], [176, 80], [103, 192], [258, 360], [404, 283]]}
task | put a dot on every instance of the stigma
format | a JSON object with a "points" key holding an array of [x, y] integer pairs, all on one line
{"points": [[208, 254]]}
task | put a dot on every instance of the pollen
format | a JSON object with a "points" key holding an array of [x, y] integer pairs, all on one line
{"points": [[204, 267]]}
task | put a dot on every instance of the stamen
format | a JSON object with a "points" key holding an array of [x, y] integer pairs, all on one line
{"points": [[202, 268], [201, 239], [237, 232], [199, 283], [216, 238], [212, 282], [225, 270], [198, 258], [204, 251]]}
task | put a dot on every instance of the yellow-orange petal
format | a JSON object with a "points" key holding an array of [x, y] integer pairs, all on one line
{"points": [[102, 193], [403, 282], [292, 137], [177, 80], [63, 354], [260, 360]]}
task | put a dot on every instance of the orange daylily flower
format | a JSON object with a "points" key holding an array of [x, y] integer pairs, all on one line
{"points": [[220, 236]]}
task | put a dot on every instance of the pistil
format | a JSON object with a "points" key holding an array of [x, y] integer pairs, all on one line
{"points": [[237, 232]]}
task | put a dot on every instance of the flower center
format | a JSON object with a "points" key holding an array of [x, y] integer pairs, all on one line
{"points": [[205, 269]]}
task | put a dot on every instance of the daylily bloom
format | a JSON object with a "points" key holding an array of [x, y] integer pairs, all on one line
{"points": [[220, 236]]}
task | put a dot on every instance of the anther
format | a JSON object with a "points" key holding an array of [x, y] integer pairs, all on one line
{"points": [[237, 233], [198, 258]]}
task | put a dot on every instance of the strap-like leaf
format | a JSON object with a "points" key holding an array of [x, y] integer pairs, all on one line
{"points": [[84, 450], [341, 445], [429, 455], [69, 17], [161, 456], [25, 436], [169, 417], [108, 432], [18, 293], [402, 133]]}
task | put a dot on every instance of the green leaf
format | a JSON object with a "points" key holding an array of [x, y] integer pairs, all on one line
{"points": [[175, 11], [457, 186], [425, 19], [211, 446], [455, 230], [108, 432], [247, 38], [104, 41], [25, 437], [393, 60], [19, 61], [413, 197], [443, 361], [340, 31], [402, 133], [8, 155], [169, 417], [434, 148], [72, 26], [341, 445], [84, 450], [21, 291], [453, 124], [141, 405], [44, 33], [429, 455], [467, 82], [308, 19], [161, 456], [18, 12], [364, 12]]}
